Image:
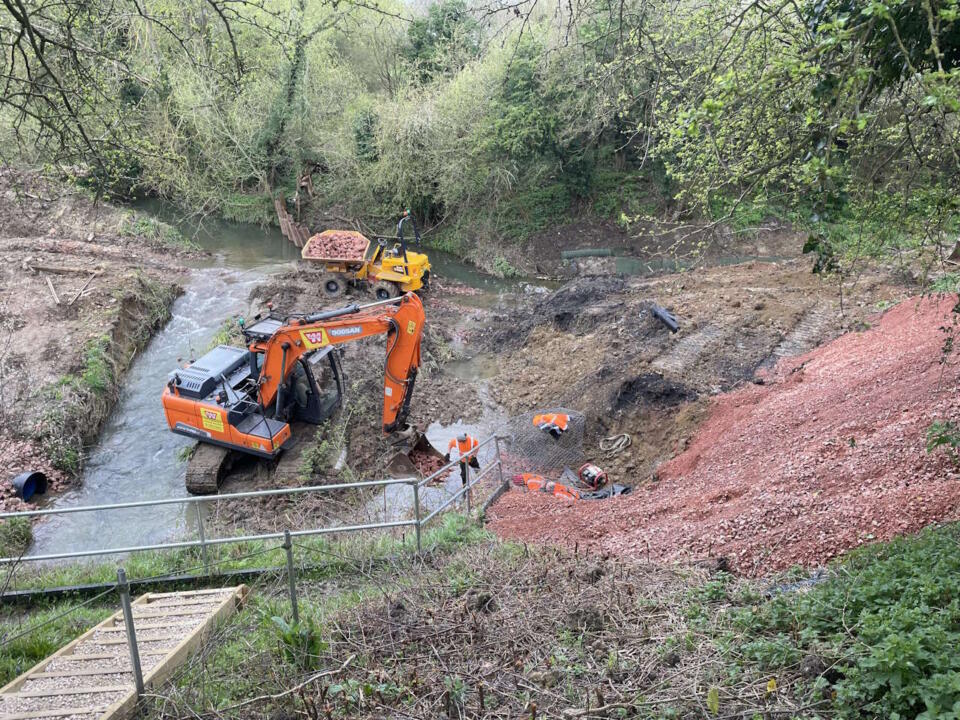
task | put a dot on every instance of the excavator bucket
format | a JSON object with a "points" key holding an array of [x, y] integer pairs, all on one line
{"points": [[414, 456]]}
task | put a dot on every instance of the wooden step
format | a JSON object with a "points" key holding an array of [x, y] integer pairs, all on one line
{"points": [[199, 612]]}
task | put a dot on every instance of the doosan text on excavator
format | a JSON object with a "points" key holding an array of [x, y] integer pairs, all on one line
{"points": [[244, 400]]}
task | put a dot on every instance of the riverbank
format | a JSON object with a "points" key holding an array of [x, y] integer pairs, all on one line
{"points": [[83, 287]]}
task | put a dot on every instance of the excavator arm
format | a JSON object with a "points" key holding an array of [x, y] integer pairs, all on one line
{"points": [[402, 321]]}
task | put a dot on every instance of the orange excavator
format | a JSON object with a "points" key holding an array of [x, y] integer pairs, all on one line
{"points": [[236, 399]]}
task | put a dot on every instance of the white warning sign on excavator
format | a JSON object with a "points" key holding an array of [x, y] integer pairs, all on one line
{"points": [[314, 339]]}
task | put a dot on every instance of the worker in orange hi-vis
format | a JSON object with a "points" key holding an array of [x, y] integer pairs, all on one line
{"points": [[553, 423], [463, 448]]}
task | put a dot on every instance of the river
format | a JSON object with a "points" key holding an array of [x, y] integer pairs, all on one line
{"points": [[137, 457]]}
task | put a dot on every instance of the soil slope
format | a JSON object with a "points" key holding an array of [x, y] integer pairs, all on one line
{"points": [[82, 288], [828, 454]]}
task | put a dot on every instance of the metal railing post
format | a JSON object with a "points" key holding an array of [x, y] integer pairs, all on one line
{"points": [[203, 539], [469, 488], [416, 510], [124, 588], [496, 440], [291, 576]]}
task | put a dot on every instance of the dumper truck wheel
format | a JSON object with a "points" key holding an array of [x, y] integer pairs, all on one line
{"points": [[384, 290], [333, 286]]}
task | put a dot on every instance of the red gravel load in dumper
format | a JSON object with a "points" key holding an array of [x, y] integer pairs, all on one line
{"points": [[343, 245]]}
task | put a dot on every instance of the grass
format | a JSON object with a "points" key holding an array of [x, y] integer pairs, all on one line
{"points": [[155, 232], [319, 561], [16, 534], [479, 626], [228, 333], [77, 403], [52, 632]]}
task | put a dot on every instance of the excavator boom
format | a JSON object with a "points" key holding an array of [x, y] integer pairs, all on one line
{"points": [[401, 320], [244, 399]]}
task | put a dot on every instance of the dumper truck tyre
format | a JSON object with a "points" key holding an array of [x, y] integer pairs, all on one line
{"points": [[385, 290], [333, 286]]}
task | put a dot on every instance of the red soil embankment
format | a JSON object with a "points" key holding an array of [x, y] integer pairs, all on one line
{"points": [[828, 455]]}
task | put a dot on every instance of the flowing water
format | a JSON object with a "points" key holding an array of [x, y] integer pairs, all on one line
{"points": [[137, 457]]}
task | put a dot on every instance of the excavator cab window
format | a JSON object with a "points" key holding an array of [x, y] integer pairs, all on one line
{"points": [[318, 385]]}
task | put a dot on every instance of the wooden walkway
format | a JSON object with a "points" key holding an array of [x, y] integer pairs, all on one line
{"points": [[91, 678]]}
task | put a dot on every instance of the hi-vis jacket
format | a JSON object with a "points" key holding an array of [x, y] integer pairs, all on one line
{"points": [[551, 421], [462, 450]]}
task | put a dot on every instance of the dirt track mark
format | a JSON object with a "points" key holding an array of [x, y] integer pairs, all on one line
{"points": [[688, 350], [806, 334]]}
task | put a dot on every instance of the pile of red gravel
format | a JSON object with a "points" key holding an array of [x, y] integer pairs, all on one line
{"points": [[336, 245], [827, 455]]}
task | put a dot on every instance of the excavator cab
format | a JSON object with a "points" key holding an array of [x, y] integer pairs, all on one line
{"points": [[314, 389]]}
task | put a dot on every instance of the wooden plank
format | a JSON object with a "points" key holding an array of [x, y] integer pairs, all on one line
{"points": [[68, 691], [123, 641], [63, 712], [221, 603], [147, 626], [65, 650], [172, 613], [80, 673], [165, 602], [101, 656], [164, 669], [150, 597]]}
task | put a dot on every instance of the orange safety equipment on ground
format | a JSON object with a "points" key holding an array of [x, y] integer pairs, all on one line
{"points": [[553, 423], [538, 483], [463, 447]]}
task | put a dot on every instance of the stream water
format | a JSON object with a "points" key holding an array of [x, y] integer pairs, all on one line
{"points": [[136, 457]]}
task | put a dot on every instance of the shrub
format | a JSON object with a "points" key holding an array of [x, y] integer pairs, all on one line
{"points": [[888, 622]]}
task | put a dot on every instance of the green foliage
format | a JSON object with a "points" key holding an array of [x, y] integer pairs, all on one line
{"points": [[321, 453], [836, 115], [946, 283], [535, 209], [300, 643], [49, 633], [365, 126], [887, 621], [155, 232], [229, 333], [16, 534], [442, 41], [255, 209], [99, 371], [943, 434]]}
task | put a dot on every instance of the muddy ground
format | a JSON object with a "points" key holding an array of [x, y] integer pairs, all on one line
{"points": [[350, 446], [592, 345], [83, 286]]}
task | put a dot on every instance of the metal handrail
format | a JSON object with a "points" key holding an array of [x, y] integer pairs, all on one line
{"points": [[213, 541], [461, 492], [452, 463], [211, 498], [202, 542]]}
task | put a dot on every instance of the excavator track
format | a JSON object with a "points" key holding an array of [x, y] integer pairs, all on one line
{"points": [[206, 468]]}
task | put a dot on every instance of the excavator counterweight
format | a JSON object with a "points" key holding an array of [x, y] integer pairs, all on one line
{"points": [[245, 399]]}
